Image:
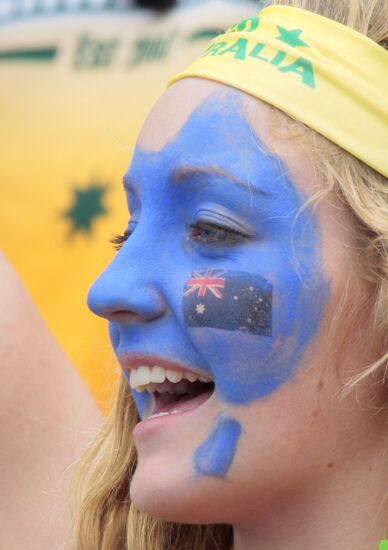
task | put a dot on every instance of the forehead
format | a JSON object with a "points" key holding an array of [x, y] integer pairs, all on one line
{"points": [[198, 121], [172, 110], [199, 124], [199, 107]]}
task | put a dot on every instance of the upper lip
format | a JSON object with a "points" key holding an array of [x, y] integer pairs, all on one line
{"points": [[130, 361]]}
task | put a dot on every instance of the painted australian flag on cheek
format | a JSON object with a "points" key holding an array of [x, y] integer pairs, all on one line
{"points": [[228, 300]]}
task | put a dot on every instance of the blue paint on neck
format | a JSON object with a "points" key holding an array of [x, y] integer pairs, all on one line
{"points": [[215, 456]]}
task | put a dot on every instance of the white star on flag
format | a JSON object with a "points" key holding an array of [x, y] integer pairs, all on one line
{"points": [[200, 309]]}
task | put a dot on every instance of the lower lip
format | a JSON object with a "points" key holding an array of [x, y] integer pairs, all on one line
{"points": [[148, 427]]}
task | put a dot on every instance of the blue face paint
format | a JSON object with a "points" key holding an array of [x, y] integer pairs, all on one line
{"points": [[144, 401], [215, 455], [214, 198]]}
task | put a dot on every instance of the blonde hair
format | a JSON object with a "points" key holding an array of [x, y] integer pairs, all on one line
{"points": [[104, 516]]}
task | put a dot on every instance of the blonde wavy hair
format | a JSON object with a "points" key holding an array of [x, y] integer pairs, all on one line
{"points": [[104, 516]]}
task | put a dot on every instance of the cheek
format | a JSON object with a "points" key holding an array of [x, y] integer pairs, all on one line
{"points": [[252, 334]]}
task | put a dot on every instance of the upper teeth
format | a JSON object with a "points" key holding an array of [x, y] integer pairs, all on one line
{"points": [[144, 376]]}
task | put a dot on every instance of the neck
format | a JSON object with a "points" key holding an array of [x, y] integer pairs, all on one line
{"points": [[346, 509]]}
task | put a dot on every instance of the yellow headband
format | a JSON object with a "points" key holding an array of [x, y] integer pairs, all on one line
{"points": [[318, 71]]}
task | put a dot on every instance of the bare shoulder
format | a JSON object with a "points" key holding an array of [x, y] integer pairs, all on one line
{"points": [[47, 418]]}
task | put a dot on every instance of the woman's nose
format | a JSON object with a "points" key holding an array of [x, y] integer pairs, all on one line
{"points": [[124, 294]]}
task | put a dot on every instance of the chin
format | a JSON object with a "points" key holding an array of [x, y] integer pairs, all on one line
{"points": [[172, 494]]}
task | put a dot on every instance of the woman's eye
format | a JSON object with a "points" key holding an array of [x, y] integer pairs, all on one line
{"points": [[118, 240], [213, 234], [203, 232]]}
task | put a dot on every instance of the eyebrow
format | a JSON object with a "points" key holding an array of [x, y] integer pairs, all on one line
{"points": [[183, 173]]}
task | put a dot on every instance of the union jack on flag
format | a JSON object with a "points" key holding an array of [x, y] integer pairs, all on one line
{"points": [[205, 282]]}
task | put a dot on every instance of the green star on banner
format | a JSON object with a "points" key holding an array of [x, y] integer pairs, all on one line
{"points": [[87, 206], [291, 37]]}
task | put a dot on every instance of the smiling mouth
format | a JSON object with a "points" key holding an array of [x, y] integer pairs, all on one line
{"points": [[181, 397], [174, 390]]}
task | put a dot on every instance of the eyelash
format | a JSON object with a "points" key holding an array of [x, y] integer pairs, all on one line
{"points": [[118, 240], [229, 236]]}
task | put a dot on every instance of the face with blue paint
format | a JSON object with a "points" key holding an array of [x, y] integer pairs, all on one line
{"points": [[223, 273]]}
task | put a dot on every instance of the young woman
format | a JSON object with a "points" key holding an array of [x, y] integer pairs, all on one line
{"points": [[247, 304]]}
